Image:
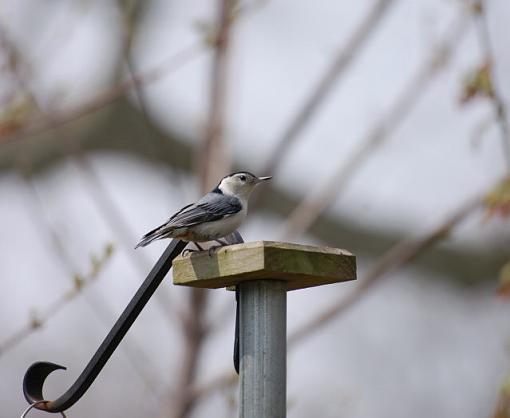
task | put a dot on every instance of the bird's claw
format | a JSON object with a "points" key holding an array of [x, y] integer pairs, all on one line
{"points": [[213, 249], [199, 249], [189, 250]]}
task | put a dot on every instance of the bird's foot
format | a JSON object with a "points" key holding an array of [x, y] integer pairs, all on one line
{"points": [[213, 248], [191, 250]]}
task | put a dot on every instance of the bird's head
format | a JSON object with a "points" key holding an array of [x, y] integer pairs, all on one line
{"points": [[239, 184]]}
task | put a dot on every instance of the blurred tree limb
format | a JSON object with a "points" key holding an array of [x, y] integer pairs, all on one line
{"points": [[20, 129], [325, 85], [213, 162], [118, 133], [320, 198], [97, 191], [98, 305], [401, 254], [39, 319], [502, 409], [213, 158], [42, 124], [480, 11]]}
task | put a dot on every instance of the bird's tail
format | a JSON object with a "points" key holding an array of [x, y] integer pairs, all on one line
{"points": [[150, 236]]}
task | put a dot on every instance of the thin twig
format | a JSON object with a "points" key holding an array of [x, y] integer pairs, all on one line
{"points": [[215, 156], [44, 124], [128, 15], [213, 164], [134, 353], [109, 209], [496, 98], [172, 63], [399, 255], [116, 219], [39, 319], [325, 85], [318, 200]]}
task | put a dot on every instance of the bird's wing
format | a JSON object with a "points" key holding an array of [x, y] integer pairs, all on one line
{"points": [[211, 207]]}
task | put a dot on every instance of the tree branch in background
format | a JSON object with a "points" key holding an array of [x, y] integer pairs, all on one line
{"points": [[406, 250], [21, 130], [326, 83], [130, 12], [480, 10], [44, 124], [399, 255], [116, 220], [213, 164], [38, 319], [109, 210], [319, 199], [99, 307], [140, 363], [502, 409], [214, 157]]}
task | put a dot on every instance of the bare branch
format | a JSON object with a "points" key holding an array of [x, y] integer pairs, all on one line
{"points": [[99, 306], [129, 12], [116, 219], [213, 164], [217, 383], [174, 62], [44, 124], [399, 255], [495, 96], [215, 160], [324, 86], [39, 319], [317, 201]]}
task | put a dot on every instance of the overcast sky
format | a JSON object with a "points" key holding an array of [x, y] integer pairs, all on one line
{"points": [[413, 347]]}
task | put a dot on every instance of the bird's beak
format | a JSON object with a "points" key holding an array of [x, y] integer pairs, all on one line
{"points": [[264, 178]]}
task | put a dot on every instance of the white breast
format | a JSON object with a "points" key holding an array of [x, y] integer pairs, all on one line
{"points": [[210, 231]]}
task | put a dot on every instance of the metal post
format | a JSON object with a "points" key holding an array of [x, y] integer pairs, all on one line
{"points": [[263, 348]]}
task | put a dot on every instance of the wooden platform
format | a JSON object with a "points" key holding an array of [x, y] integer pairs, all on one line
{"points": [[300, 266]]}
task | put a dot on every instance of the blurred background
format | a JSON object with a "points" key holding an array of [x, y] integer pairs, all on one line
{"points": [[385, 125]]}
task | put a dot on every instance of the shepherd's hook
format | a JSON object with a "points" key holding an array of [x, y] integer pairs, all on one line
{"points": [[37, 373]]}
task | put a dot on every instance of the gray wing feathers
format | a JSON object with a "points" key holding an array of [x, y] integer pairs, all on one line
{"points": [[211, 207]]}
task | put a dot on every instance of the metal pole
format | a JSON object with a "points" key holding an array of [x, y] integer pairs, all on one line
{"points": [[263, 348]]}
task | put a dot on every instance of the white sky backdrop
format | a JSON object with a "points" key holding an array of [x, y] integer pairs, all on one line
{"points": [[413, 348]]}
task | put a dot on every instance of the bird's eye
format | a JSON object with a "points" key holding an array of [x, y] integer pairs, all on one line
{"points": [[242, 178]]}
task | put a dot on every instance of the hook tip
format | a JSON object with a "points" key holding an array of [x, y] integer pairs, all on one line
{"points": [[34, 378]]}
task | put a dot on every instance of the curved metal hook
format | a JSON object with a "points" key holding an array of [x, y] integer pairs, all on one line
{"points": [[34, 405], [37, 373]]}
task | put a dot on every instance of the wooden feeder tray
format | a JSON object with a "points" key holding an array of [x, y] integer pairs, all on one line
{"points": [[301, 266]]}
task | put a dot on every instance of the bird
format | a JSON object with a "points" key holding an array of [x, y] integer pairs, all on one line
{"points": [[216, 215]]}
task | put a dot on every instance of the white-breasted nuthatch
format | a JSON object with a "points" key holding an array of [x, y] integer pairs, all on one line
{"points": [[216, 215]]}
